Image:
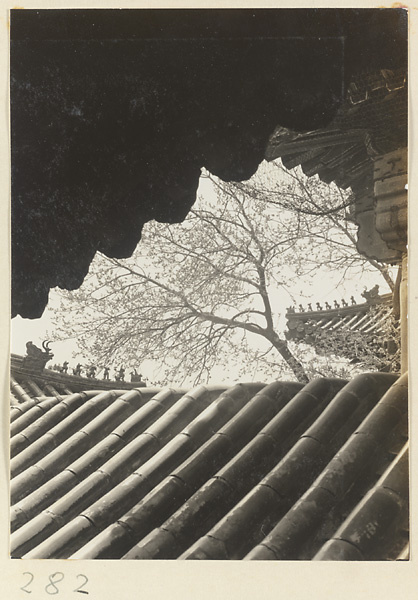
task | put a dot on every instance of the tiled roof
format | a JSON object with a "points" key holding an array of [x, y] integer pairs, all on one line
{"points": [[364, 317], [372, 121], [60, 383], [369, 320], [255, 471]]}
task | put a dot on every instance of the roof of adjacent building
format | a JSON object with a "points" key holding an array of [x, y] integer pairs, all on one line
{"points": [[365, 317], [281, 471], [57, 383], [371, 122], [339, 328]]}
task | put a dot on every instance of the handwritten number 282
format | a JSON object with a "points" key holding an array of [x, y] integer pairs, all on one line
{"points": [[52, 587]]}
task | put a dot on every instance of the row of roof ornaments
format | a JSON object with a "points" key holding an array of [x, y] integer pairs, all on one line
{"points": [[371, 296], [37, 358], [90, 372]]}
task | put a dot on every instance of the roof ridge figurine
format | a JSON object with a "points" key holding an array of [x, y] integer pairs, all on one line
{"points": [[35, 357]]}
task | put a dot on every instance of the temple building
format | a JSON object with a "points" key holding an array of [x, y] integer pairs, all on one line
{"points": [[258, 471], [366, 332], [365, 149]]}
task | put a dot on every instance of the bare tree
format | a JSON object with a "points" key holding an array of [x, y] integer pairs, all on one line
{"points": [[201, 293], [324, 214]]}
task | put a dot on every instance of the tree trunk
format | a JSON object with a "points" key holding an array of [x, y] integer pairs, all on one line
{"points": [[283, 349]]}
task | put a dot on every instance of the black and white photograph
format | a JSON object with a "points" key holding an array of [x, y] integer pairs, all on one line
{"points": [[209, 284]]}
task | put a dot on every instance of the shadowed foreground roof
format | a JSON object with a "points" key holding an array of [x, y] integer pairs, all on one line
{"points": [[278, 472]]}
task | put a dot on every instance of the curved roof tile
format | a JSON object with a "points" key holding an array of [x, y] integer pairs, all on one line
{"points": [[278, 471]]}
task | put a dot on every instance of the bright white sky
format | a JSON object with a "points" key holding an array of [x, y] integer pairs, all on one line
{"points": [[318, 290]]}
